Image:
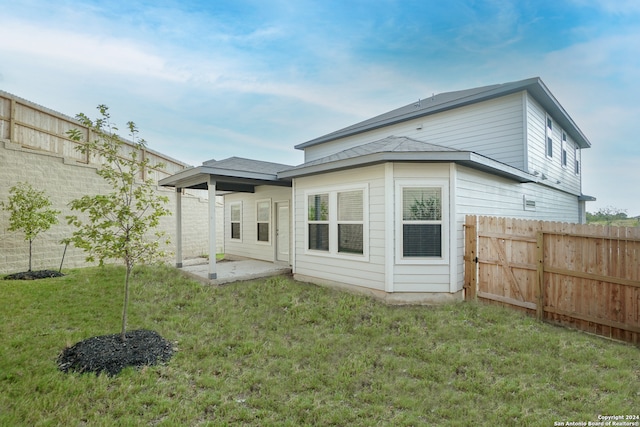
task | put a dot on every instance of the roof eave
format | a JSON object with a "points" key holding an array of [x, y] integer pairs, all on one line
{"points": [[465, 158], [195, 177], [534, 86], [543, 95], [184, 179]]}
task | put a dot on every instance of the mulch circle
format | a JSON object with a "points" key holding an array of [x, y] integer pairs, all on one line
{"points": [[109, 354], [33, 275]]}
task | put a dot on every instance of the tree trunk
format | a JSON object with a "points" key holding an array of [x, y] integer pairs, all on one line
{"points": [[123, 332], [30, 242]]}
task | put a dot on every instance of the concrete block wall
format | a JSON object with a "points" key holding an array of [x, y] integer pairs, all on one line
{"points": [[64, 179]]}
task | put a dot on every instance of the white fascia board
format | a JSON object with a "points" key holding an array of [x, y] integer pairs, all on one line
{"points": [[185, 178], [201, 174]]}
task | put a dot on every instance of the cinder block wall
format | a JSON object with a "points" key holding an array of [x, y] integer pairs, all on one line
{"points": [[63, 182], [55, 169]]}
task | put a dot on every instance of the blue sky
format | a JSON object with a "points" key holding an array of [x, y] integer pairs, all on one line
{"points": [[214, 79]]}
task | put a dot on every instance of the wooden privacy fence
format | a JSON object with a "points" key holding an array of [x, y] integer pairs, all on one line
{"points": [[33, 127], [583, 276]]}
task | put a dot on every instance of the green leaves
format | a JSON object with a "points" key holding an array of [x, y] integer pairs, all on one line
{"points": [[30, 212], [119, 225]]}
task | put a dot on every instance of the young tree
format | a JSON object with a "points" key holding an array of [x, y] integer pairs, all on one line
{"points": [[30, 212], [122, 223]]}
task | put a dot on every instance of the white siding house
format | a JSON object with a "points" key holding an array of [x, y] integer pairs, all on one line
{"points": [[379, 206], [251, 223]]}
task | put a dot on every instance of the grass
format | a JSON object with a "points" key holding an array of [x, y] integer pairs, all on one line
{"points": [[628, 222], [282, 353], [219, 256]]}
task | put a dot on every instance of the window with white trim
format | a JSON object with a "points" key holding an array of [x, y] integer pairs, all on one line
{"points": [[236, 220], [351, 222], [337, 221], [263, 220], [422, 222], [318, 221], [563, 158], [549, 137], [577, 161]]}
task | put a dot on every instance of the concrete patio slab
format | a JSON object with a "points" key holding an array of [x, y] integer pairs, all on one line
{"points": [[233, 270]]}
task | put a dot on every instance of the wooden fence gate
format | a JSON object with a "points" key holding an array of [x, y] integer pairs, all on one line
{"points": [[583, 276]]}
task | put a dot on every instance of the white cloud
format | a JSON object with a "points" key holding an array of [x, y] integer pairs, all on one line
{"points": [[73, 49], [201, 70], [616, 7]]}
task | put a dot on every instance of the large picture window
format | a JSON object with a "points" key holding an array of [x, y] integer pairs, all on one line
{"points": [[263, 220], [235, 219]]}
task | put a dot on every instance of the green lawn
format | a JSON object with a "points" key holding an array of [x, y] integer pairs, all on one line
{"points": [[277, 352], [628, 222]]}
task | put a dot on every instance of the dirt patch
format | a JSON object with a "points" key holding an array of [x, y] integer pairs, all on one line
{"points": [[109, 354], [33, 275]]}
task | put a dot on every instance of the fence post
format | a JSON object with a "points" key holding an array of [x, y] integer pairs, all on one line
{"points": [[470, 257], [540, 275], [12, 122]]}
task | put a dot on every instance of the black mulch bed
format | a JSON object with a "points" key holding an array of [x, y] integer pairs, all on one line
{"points": [[32, 275], [109, 354]]}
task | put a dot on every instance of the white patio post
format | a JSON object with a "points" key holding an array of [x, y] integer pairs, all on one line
{"points": [[212, 229], [178, 227]]}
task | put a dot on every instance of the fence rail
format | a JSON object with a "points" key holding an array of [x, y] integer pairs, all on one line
{"points": [[583, 276], [39, 129]]}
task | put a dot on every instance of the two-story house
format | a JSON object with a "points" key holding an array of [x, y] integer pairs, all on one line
{"points": [[379, 206]]}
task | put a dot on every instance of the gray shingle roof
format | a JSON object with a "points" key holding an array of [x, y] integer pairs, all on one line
{"points": [[402, 149], [390, 144], [450, 100], [242, 164], [232, 174]]}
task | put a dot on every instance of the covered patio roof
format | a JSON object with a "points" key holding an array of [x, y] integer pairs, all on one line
{"points": [[234, 174]]}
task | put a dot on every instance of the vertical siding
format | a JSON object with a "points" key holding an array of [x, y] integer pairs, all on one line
{"points": [[343, 269], [249, 246], [492, 128], [538, 161]]}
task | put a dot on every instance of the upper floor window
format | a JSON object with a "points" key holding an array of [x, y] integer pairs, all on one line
{"points": [[576, 156], [564, 150], [549, 137]]}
